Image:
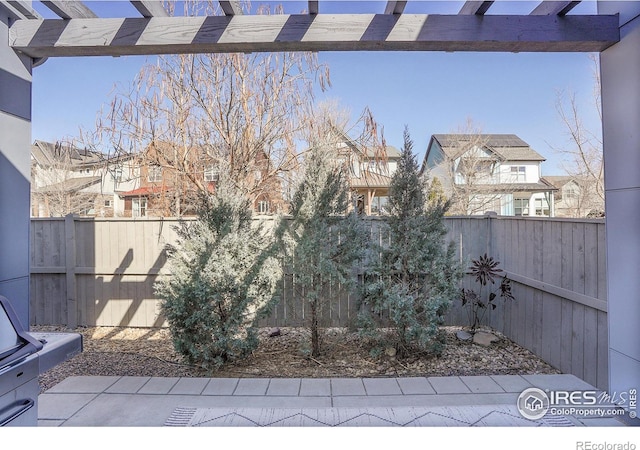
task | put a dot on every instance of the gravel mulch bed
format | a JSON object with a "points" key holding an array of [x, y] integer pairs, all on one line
{"points": [[149, 352]]}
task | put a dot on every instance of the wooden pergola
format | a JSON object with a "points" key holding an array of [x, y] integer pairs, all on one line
{"points": [[550, 27]]}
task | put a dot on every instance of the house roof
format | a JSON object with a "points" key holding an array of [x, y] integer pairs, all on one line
{"points": [[48, 154], [541, 186], [560, 180], [71, 185], [144, 191], [507, 147], [370, 180]]}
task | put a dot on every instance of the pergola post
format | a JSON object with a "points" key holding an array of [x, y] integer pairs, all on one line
{"points": [[620, 76], [15, 141]]}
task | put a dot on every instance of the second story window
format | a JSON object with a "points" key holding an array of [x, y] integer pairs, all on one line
{"points": [[118, 174], [211, 174], [155, 174], [570, 192], [518, 174], [263, 207]]}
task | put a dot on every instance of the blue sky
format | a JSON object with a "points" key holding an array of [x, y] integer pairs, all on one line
{"points": [[429, 92]]}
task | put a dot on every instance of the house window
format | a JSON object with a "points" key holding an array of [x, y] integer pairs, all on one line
{"points": [[541, 207], [211, 174], [139, 207], [155, 174], [263, 207], [379, 205], [570, 192], [518, 173], [521, 206], [117, 174], [107, 203]]}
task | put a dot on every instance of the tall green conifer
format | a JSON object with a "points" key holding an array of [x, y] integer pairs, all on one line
{"points": [[224, 276], [323, 242], [411, 283]]}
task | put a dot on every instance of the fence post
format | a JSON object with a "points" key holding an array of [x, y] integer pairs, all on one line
{"points": [[70, 262]]}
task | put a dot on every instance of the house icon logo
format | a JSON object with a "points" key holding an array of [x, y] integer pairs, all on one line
{"points": [[533, 403]]}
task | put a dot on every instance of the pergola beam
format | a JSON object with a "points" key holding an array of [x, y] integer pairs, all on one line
{"points": [[150, 8], [231, 8], [395, 7], [322, 32], [475, 8], [550, 8], [70, 9], [20, 9]]}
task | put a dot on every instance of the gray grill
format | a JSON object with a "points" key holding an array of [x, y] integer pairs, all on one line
{"points": [[24, 356]]}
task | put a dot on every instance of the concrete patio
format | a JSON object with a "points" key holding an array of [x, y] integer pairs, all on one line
{"points": [[113, 401]]}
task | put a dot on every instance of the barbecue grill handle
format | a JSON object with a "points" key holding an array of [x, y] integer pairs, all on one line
{"points": [[15, 410]]}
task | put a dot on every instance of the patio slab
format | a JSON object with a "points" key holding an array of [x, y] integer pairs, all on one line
{"points": [[220, 386], [381, 386], [481, 384], [347, 387], [415, 386], [127, 385], [284, 387], [312, 387], [448, 385]]}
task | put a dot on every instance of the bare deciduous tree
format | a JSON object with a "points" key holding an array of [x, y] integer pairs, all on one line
{"points": [[190, 115], [584, 157]]}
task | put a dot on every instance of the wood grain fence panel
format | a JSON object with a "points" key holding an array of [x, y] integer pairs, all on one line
{"points": [[577, 340], [603, 351], [578, 263], [552, 329], [591, 259], [567, 253], [527, 245], [566, 340], [590, 346], [602, 263]]}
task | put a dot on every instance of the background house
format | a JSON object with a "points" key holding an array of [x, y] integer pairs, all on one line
{"points": [[68, 180], [370, 171], [489, 172], [576, 196], [170, 178]]}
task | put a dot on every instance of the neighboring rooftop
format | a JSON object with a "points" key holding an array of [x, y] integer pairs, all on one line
{"points": [[507, 147], [49, 154]]}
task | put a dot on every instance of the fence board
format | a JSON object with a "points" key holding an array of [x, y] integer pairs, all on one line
{"points": [[578, 266], [602, 340], [577, 341], [590, 343]]}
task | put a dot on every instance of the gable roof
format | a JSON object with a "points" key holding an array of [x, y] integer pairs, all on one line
{"points": [[48, 154], [71, 185], [560, 180], [508, 147]]}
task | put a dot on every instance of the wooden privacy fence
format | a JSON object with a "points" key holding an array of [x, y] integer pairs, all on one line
{"points": [[100, 272]]}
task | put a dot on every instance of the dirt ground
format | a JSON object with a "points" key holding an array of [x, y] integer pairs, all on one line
{"points": [[149, 352]]}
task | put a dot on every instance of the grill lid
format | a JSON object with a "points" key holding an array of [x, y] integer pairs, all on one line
{"points": [[15, 342]]}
